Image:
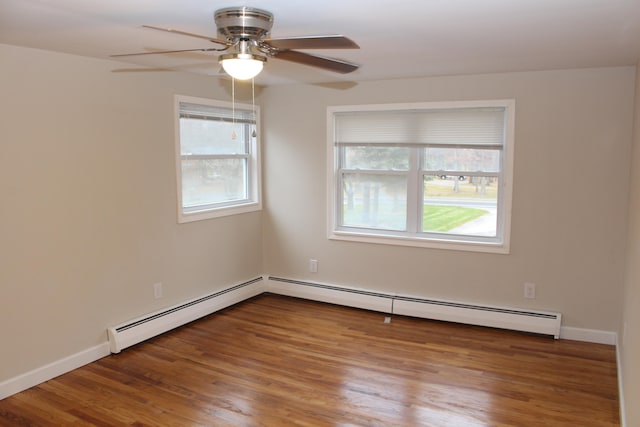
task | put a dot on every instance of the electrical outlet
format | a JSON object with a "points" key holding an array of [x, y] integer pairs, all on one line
{"points": [[313, 265], [530, 290], [157, 290]]}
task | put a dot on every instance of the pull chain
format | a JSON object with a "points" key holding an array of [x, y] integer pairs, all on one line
{"points": [[253, 105], [233, 107]]}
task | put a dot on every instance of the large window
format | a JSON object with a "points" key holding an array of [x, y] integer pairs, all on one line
{"points": [[431, 174], [217, 158]]}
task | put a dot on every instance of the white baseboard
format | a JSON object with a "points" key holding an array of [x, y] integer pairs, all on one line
{"points": [[527, 320], [52, 370], [74, 361], [379, 301], [588, 335], [142, 328], [623, 412], [360, 298]]}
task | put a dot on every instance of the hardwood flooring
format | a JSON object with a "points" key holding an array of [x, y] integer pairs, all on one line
{"points": [[278, 361]]}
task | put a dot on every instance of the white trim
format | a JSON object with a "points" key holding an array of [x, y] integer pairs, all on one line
{"points": [[254, 202], [150, 325], [499, 245], [517, 319], [52, 370], [358, 298], [588, 335], [361, 298], [373, 300], [67, 364], [419, 242], [217, 212], [622, 406]]}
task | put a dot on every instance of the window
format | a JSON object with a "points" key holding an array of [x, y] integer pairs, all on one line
{"points": [[430, 174], [218, 165]]}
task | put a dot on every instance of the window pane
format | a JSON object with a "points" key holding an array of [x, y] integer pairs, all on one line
{"points": [[205, 182], [199, 136], [465, 206], [461, 159], [374, 201], [376, 158]]}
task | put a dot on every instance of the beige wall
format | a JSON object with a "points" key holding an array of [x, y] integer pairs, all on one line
{"points": [[571, 174], [630, 330], [88, 205], [88, 223]]}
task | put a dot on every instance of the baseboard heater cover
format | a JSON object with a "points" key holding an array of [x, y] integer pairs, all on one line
{"points": [[150, 325], [534, 321], [349, 297], [539, 322]]}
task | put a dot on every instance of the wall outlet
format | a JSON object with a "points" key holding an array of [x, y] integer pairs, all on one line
{"points": [[157, 290], [313, 265], [530, 290]]}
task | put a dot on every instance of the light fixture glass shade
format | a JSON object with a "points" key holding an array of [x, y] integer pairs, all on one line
{"points": [[242, 67]]}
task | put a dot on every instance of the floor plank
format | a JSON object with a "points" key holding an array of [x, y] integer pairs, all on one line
{"points": [[279, 361]]}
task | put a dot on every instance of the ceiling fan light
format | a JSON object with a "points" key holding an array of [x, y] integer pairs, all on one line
{"points": [[243, 66]]}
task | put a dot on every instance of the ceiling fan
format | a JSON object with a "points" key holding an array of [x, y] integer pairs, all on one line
{"points": [[243, 34]]}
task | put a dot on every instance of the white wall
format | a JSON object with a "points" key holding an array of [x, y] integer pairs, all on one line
{"points": [[573, 139], [88, 205], [629, 341]]}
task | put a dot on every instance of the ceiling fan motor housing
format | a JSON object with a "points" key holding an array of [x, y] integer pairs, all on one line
{"points": [[236, 23]]}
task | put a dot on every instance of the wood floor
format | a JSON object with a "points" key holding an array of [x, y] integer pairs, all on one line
{"points": [[278, 361]]}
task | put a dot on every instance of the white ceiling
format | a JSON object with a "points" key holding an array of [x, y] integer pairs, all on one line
{"points": [[398, 39]]}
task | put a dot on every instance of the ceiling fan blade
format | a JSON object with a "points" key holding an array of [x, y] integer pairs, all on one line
{"points": [[335, 65], [184, 33], [140, 70], [166, 51], [313, 42]]}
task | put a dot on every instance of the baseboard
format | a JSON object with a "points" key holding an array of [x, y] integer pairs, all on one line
{"points": [[52, 370], [588, 335], [526, 320], [137, 330], [74, 361], [623, 412], [351, 297], [379, 301]]}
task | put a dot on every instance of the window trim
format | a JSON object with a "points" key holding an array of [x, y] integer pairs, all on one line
{"points": [[254, 179], [433, 240]]}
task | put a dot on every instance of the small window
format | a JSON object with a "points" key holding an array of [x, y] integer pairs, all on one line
{"points": [[432, 174], [217, 154]]}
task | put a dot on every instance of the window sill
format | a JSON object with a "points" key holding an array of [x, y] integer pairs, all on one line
{"points": [[218, 212], [419, 242]]}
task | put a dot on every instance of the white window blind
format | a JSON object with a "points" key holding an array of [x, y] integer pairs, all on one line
{"points": [[461, 127], [217, 162], [434, 174], [223, 114]]}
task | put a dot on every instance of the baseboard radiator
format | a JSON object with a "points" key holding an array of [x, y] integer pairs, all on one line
{"points": [[539, 322], [524, 320], [153, 324], [150, 325]]}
